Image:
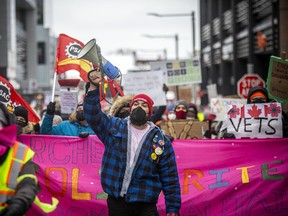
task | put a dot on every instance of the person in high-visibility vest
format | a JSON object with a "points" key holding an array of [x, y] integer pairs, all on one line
{"points": [[18, 181]]}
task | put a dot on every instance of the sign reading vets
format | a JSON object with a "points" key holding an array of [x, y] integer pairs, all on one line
{"points": [[261, 120], [217, 177]]}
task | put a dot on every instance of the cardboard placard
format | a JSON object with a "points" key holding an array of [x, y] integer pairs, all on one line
{"points": [[185, 129], [277, 79]]}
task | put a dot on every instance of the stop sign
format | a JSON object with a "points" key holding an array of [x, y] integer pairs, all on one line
{"points": [[247, 82]]}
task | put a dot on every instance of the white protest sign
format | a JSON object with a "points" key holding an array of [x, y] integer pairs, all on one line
{"points": [[261, 120], [179, 72], [212, 91], [220, 106], [150, 83], [69, 101]]}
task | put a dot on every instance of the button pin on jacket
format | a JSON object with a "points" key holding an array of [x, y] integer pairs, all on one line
{"points": [[158, 151], [153, 156]]}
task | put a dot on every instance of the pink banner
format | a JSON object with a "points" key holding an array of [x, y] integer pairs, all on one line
{"points": [[217, 177]]}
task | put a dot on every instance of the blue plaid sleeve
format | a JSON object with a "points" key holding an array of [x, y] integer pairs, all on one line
{"points": [[98, 121], [167, 169]]}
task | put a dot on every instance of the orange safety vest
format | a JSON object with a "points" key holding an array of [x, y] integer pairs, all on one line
{"points": [[18, 155]]}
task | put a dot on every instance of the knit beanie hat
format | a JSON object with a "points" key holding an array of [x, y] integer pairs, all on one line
{"points": [[181, 102], [257, 94], [21, 111], [145, 98], [257, 89]]}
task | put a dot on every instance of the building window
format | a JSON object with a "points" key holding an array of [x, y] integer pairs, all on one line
{"points": [[40, 15], [41, 53]]}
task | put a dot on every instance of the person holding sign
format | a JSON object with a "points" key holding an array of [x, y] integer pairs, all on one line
{"points": [[259, 94], [75, 126], [192, 112], [261, 120], [138, 161], [181, 109]]}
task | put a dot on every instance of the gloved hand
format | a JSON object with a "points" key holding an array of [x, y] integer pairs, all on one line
{"points": [[228, 136], [165, 88], [51, 108], [172, 214], [36, 128], [84, 134], [15, 208]]}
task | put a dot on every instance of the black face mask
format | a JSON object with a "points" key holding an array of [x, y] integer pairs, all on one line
{"points": [[124, 114], [80, 115], [21, 123], [259, 101], [138, 116]]}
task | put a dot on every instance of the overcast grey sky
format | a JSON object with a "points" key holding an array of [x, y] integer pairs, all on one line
{"points": [[120, 24]]}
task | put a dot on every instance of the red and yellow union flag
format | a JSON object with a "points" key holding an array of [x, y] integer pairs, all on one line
{"points": [[66, 58]]}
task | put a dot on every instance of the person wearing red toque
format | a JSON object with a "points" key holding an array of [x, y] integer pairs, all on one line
{"points": [[138, 161]]}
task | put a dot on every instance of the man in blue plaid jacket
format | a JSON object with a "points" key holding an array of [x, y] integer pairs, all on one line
{"points": [[138, 161]]}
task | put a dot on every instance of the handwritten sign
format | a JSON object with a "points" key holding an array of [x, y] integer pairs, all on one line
{"points": [[277, 79], [150, 83], [255, 120], [179, 72], [220, 106], [69, 101]]}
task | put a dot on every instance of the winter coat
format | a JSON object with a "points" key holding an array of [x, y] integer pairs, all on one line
{"points": [[69, 127], [149, 174]]}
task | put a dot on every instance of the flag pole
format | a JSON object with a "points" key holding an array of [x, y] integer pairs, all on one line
{"points": [[54, 86]]}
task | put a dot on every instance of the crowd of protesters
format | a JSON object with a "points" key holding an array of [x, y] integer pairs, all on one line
{"points": [[134, 113], [52, 123]]}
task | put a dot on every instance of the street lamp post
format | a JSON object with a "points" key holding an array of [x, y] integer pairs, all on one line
{"points": [[167, 36], [192, 37], [181, 15], [176, 49]]}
